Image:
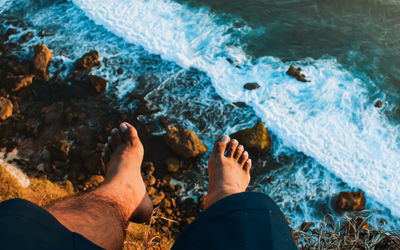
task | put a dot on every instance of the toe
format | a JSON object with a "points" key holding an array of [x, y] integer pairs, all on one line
{"points": [[116, 138], [247, 166], [128, 132], [220, 145], [243, 158], [238, 152], [232, 148]]}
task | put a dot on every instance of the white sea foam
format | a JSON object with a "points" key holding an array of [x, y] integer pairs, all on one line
{"points": [[328, 119]]}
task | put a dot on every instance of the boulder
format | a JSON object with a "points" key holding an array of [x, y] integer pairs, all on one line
{"points": [[15, 83], [88, 61], [6, 108], [173, 164], [59, 149], [41, 60], [296, 73], [254, 139], [351, 201], [251, 86], [99, 83], [184, 142], [240, 104]]}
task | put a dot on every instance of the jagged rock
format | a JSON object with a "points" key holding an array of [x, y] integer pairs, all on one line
{"points": [[59, 149], [184, 142], [157, 198], [11, 32], [93, 182], [6, 108], [240, 104], [173, 164], [99, 83], [41, 60], [18, 82], [251, 86], [296, 73], [351, 201], [255, 139], [87, 61], [378, 104]]}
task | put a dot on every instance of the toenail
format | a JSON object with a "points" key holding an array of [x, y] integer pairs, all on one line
{"points": [[240, 147], [234, 141], [245, 153], [225, 138], [109, 138], [114, 130], [123, 127], [106, 145], [103, 154], [249, 161]]}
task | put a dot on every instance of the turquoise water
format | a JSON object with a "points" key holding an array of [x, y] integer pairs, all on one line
{"points": [[328, 136]]}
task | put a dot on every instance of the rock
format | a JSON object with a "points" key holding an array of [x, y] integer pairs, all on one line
{"points": [[157, 198], [15, 83], [44, 33], [378, 104], [92, 162], [59, 149], [240, 104], [255, 139], [11, 32], [351, 201], [149, 180], [99, 83], [93, 182], [87, 61], [296, 73], [6, 108], [173, 164], [184, 142], [251, 86], [26, 37], [41, 60]]}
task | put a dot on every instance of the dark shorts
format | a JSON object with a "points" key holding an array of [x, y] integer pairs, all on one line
{"points": [[24, 225]]}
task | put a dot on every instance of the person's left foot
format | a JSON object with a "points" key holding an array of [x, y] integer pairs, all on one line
{"points": [[122, 159]]}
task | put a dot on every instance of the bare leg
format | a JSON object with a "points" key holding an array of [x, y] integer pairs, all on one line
{"points": [[101, 215], [228, 170]]}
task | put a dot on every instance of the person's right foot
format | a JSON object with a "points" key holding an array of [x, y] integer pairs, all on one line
{"points": [[228, 170]]}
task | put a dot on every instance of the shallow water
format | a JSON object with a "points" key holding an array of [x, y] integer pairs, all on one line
{"points": [[328, 136]]}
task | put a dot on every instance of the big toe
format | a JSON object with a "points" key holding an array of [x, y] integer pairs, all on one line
{"points": [[129, 133], [220, 145]]}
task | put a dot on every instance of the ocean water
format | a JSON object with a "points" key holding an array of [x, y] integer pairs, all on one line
{"points": [[195, 57]]}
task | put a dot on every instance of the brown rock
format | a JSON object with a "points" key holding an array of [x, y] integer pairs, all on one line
{"points": [[251, 86], [185, 142], [94, 181], [10, 32], [240, 104], [6, 108], [351, 201], [59, 149], [296, 73], [157, 198], [92, 162], [18, 82], [173, 164], [87, 61], [378, 104], [99, 83], [41, 60], [256, 138]]}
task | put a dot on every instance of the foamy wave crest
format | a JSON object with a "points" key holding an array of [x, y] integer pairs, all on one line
{"points": [[329, 119]]}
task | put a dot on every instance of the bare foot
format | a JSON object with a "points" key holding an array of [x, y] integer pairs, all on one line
{"points": [[122, 159], [228, 170]]}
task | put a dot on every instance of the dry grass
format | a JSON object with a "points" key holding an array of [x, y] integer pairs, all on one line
{"points": [[350, 233]]}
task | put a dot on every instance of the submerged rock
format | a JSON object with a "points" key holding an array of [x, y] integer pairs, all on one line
{"points": [[87, 61], [351, 201], [99, 83], [41, 60], [240, 104], [251, 86], [185, 142], [255, 139], [296, 73], [18, 82], [173, 164], [11, 32], [6, 108]]}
